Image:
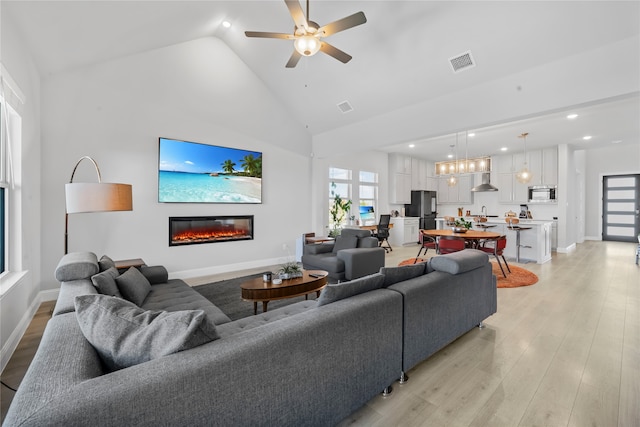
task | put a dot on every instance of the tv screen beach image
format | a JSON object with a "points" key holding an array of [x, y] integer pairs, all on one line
{"points": [[190, 172]]}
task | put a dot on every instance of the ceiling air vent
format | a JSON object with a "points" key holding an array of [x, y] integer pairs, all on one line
{"points": [[345, 107], [462, 62]]}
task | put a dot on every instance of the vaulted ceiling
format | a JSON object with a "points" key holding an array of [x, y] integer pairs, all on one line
{"points": [[401, 58]]}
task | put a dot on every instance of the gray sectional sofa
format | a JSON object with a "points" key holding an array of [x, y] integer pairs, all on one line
{"points": [[310, 363]]}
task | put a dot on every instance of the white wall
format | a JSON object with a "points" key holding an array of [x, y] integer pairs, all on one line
{"points": [[18, 304], [114, 112], [611, 160]]}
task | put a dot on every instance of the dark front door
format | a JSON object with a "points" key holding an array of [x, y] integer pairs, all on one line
{"points": [[621, 208]]}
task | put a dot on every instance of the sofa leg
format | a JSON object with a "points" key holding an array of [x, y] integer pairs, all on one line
{"points": [[403, 377], [387, 391], [481, 325]]}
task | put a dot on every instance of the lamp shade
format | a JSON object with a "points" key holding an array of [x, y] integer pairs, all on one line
{"points": [[97, 197]]}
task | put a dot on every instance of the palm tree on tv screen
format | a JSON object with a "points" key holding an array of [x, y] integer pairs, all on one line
{"points": [[252, 166], [228, 166]]}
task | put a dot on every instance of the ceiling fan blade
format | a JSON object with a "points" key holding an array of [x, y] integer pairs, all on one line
{"points": [[343, 24], [297, 14], [293, 61], [268, 35], [335, 52]]}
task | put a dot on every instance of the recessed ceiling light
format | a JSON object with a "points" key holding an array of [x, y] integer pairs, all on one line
{"points": [[450, 156], [471, 135], [586, 138], [226, 24], [412, 145], [504, 149], [572, 116]]}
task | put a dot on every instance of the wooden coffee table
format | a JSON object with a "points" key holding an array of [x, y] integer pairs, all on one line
{"points": [[257, 290]]}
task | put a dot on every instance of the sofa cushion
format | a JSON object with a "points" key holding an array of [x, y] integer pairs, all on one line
{"points": [[105, 282], [345, 242], [126, 335], [459, 262], [338, 291], [106, 263], [399, 274], [327, 262], [76, 266], [133, 285]]}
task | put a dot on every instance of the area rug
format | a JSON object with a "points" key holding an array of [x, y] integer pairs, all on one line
{"points": [[226, 296], [518, 276]]}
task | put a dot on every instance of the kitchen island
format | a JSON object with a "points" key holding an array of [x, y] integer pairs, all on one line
{"points": [[535, 243]]}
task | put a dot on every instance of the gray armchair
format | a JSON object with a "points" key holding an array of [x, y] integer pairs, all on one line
{"points": [[353, 254]]}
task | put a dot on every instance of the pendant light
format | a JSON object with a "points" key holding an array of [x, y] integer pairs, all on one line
{"points": [[453, 179], [524, 175]]}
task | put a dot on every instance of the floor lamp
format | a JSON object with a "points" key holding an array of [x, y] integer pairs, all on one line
{"points": [[98, 196]]}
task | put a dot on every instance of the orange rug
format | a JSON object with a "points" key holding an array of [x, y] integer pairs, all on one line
{"points": [[518, 276]]}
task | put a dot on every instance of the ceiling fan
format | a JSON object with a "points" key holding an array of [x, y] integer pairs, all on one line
{"points": [[307, 35]]}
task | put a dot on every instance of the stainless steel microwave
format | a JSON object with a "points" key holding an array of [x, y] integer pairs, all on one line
{"points": [[543, 194]]}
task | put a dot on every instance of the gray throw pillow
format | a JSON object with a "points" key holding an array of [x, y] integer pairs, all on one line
{"points": [[106, 263], [126, 335], [345, 242], [459, 262], [400, 274], [332, 293], [105, 282], [133, 286]]}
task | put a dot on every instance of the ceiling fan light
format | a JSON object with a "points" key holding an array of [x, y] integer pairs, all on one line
{"points": [[307, 45]]}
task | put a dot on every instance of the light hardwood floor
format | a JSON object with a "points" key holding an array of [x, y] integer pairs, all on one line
{"points": [[563, 352]]}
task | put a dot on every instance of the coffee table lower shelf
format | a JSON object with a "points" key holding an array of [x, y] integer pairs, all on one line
{"points": [[256, 290]]}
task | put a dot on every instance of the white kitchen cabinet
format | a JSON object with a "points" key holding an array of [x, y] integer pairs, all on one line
{"points": [[400, 188], [536, 241], [459, 193], [405, 231], [399, 179], [510, 190], [549, 166], [419, 174]]}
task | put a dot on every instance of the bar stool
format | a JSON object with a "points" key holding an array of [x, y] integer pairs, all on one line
{"points": [[513, 225]]}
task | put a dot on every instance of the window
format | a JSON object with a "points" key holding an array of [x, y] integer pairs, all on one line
{"points": [[339, 185], [3, 195], [361, 190]]}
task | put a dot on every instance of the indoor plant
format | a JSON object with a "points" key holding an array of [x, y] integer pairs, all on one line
{"points": [[339, 208], [290, 270]]}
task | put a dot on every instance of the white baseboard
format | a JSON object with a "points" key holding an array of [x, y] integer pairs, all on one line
{"points": [[566, 250], [592, 237], [228, 268]]}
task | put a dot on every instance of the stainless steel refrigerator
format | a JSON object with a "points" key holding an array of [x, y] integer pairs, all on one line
{"points": [[423, 205]]}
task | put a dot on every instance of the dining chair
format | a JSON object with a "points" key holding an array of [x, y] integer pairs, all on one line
{"points": [[496, 248], [450, 244], [426, 242]]}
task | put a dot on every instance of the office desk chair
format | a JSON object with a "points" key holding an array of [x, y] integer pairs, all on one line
{"points": [[382, 232]]}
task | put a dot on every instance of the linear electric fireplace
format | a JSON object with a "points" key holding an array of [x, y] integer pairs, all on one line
{"points": [[191, 230]]}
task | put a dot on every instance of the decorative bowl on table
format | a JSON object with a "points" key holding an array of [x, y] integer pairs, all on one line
{"points": [[459, 229]]}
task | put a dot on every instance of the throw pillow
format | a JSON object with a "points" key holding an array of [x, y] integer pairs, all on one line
{"points": [[400, 274], [459, 262], [338, 291], [106, 263], [126, 335], [133, 286], [345, 242], [105, 282]]}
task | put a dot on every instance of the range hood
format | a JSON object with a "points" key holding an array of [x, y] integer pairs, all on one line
{"points": [[486, 185]]}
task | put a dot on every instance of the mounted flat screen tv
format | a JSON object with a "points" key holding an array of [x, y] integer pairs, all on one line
{"points": [[190, 172]]}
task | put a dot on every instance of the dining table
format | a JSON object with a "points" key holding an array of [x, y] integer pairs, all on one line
{"points": [[473, 237]]}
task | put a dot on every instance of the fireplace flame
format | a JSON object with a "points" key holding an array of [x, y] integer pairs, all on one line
{"points": [[208, 235]]}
